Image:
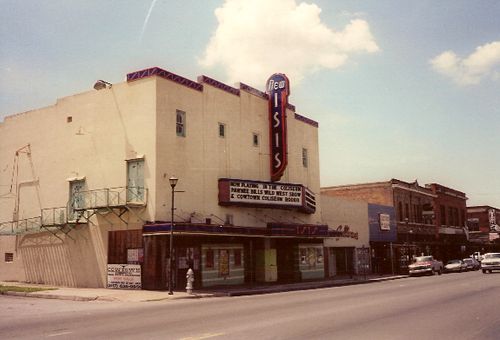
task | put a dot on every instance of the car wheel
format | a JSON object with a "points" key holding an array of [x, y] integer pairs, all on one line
{"points": [[440, 271], [484, 271], [490, 271]]}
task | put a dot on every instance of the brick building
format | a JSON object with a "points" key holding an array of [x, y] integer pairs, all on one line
{"points": [[483, 224], [414, 212], [450, 218]]}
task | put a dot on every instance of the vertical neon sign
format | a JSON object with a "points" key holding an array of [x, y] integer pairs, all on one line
{"points": [[278, 90]]}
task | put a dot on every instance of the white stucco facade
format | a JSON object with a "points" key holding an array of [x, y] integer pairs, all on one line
{"points": [[92, 137]]}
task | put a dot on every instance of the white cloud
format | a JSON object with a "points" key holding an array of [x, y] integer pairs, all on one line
{"points": [[255, 39], [483, 63]]}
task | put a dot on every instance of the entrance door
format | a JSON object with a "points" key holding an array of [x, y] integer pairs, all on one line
{"points": [[332, 263], [135, 180], [76, 199]]}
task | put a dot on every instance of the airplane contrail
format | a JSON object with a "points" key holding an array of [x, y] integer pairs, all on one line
{"points": [[147, 19]]}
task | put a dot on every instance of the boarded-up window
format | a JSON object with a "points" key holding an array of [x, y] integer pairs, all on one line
{"points": [[119, 243]]}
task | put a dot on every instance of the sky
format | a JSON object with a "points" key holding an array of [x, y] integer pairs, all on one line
{"points": [[401, 89]]}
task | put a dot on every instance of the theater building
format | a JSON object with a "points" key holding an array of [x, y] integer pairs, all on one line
{"points": [[86, 198]]}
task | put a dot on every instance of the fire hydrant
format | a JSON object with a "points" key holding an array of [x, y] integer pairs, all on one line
{"points": [[189, 281]]}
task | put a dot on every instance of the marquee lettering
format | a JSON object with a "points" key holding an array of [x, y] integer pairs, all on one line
{"points": [[278, 89]]}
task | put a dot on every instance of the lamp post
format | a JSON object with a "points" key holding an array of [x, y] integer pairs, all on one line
{"points": [[173, 181], [407, 243]]}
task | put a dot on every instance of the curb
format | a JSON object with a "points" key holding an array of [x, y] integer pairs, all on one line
{"points": [[52, 296], [207, 294], [317, 285]]}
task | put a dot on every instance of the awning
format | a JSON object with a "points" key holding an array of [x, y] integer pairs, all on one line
{"points": [[272, 230]]}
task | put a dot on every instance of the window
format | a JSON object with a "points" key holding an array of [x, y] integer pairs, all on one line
{"points": [[209, 259], [319, 255], [222, 130], [400, 211], [180, 127], [255, 139], [442, 213], [237, 257], [304, 158], [9, 257]]}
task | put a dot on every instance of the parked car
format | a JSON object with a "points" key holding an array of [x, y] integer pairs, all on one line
{"points": [[455, 266], [477, 264], [490, 262], [425, 265], [472, 264]]}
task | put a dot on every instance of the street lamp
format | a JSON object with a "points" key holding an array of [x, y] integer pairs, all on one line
{"points": [[407, 242], [173, 182]]}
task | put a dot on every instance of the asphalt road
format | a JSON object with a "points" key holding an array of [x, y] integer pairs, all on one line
{"points": [[451, 306]]}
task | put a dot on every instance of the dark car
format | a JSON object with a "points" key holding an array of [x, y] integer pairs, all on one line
{"points": [[472, 264]]}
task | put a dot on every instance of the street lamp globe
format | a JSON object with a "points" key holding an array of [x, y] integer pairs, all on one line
{"points": [[173, 181]]}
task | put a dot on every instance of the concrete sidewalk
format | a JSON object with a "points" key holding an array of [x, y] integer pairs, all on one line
{"points": [[103, 294]]}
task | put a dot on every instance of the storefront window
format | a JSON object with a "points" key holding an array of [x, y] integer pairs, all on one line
{"points": [[303, 255], [209, 259], [237, 257], [319, 255], [311, 257]]}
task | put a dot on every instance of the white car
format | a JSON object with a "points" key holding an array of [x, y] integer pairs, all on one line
{"points": [[490, 262], [455, 266]]}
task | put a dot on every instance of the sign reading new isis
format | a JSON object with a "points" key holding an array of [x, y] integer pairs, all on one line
{"points": [[278, 89]]}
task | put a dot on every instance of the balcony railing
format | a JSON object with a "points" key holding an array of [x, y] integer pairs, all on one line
{"points": [[27, 225], [54, 216], [108, 198], [75, 211]]}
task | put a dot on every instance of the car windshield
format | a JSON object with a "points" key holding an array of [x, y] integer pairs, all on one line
{"points": [[492, 256], [468, 260], [423, 258], [453, 261]]}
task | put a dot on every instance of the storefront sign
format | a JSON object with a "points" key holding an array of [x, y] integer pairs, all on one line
{"points": [[281, 229], [124, 276], [223, 262], [278, 89], [266, 194], [492, 216], [344, 231], [385, 221], [135, 255]]}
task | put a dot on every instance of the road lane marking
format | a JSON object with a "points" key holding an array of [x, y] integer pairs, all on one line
{"points": [[58, 334], [203, 336]]}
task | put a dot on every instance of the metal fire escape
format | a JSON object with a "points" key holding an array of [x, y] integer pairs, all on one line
{"points": [[79, 209], [117, 201]]}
